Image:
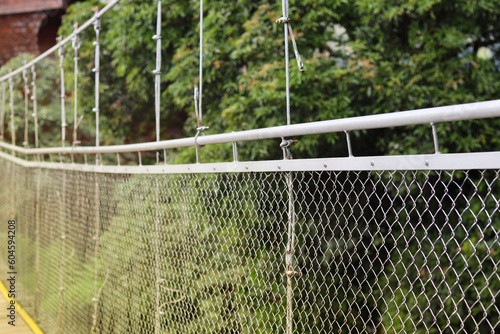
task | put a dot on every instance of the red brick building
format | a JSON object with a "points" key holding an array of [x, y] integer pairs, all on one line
{"points": [[29, 26]]}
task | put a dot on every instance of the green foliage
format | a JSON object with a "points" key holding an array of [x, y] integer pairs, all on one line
{"points": [[48, 102], [216, 274], [392, 56]]}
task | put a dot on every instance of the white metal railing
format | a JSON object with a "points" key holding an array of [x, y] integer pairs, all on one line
{"points": [[431, 116]]}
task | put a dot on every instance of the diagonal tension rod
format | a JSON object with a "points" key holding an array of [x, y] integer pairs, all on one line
{"points": [[286, 20]]}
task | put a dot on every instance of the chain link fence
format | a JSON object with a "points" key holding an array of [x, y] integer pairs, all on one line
{"points": [[375, 252]]}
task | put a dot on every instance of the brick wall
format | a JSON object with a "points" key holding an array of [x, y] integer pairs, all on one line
{"points": [[28, 26]]}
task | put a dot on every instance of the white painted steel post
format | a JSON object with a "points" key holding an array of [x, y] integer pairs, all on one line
{"points": [[157, 72], [96, 69], [63, 94], [76, 45], [26, 105], [35, 107], [12, 125]]}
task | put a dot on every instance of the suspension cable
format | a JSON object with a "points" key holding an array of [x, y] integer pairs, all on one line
{"points": [[157, 72], [33, 97], [63, 94], [76, 45], [26, 105]]}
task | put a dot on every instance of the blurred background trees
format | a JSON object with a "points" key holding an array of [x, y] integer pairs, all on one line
{"points": [[361, 57]]}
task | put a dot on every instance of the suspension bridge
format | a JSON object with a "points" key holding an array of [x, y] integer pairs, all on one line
{"points": [[354, 244]]}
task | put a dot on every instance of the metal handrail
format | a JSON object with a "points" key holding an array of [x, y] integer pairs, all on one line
{"points": [[443, 114]]}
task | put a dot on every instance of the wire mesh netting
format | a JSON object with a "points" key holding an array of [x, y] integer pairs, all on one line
{"points": [[375, 252]]}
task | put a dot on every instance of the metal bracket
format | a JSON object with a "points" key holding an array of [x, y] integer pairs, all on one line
{"points": [[199, 130], [285, 145], [283, 20]]}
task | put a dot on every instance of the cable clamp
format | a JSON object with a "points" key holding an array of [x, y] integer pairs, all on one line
{"points": [[199, 130], [75, 42], [283, 20], [287, 143], [156, 37]]}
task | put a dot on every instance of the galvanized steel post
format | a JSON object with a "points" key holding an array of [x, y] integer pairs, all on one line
{"points": [[12, 125], [26, 105], [157, 72], [63, 94], [33, 97], [96, 69]]}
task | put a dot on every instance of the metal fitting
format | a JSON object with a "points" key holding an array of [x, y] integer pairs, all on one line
{"points": [[283, 20], [198, 131], [287, 143]]}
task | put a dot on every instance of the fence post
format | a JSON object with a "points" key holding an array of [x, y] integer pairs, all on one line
{"points": [[76, 46], [33, 97], [63, 94], [12, 125], [62, 267], [157, 72], [96, 69], [96, 253], [26, 93]]}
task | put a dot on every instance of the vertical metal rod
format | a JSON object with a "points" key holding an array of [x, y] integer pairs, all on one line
{"points": [[165, 156], [2, 112], [157, 73], [289, 257], [63, 94], [435, 138], [96, 254], [35, 109], [287, 69], [26, 105], [348, 139], [12, 125], [76, 46], [37, 245], [62, 266], [235, 152], [157, 255], [200, 92], [97, 28]]}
